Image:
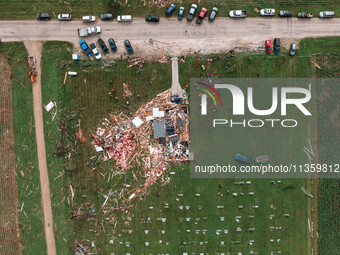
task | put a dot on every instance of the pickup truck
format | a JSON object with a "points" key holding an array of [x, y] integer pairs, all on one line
{"points": [[201, 16], [238, 14], [93, 30], [267, 12], [89, 31], [192, 12], [85, 48], [95, 51], [305, 15], [124, 18]]}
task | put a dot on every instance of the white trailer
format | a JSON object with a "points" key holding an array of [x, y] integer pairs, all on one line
{"points": [[83, 32]]}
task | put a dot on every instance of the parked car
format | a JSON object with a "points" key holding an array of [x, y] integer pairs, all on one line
{"points": [[285, 13], [277, 46], [65, 17], [180, 13], [152, 18], [267, 12], [170, 10], [128, 46], [201, 15], [292, 50], [88, 18], [102, 45], [213, 14], [95, 51], [106, 16], [305, 15], [112, 45], [93, 30], [268, 46], [124, 18], [85, 48], [43, 16], [192, 12], [237, 14], [326, 14]]}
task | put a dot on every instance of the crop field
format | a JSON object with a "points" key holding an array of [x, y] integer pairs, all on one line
{"points": [[187, 215], [19, 160], [27, 9], [329, 147], [9, 239]]}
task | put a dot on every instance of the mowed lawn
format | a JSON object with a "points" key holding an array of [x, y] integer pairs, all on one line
{"points": [[84, 101], [14, 9]]}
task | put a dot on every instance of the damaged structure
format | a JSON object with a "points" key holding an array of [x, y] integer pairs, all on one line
{"points": [[155, 137]]}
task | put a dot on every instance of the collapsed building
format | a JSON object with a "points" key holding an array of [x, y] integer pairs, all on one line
{"points": [[155, 137]]}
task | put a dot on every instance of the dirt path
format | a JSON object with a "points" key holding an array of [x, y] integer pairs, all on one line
{"points": [[176, 88], [9, 227], [34, 49]]}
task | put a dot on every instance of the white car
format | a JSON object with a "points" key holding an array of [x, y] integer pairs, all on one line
{"points": [[97, 54], [89, 18], [93, 30], [326, 14], [267, 12], [124, 18], [64, 16], [237, 14]]}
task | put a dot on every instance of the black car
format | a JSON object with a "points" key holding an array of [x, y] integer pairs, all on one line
{"points": [[128, 46], [112, 45], [152, 18], [277, 45], [43, 16], [106, 16], [285, 13], [102, 45]]}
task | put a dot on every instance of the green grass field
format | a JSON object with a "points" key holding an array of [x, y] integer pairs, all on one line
{"points": [[27, 9], [88, 91], [31, 218], [73, 166]]}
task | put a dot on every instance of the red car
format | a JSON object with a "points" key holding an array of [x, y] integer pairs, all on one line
{"points": [[201, 15], [268, 46]]}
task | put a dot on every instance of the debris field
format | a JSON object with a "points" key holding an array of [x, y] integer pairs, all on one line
{"points": [[156, 136]]}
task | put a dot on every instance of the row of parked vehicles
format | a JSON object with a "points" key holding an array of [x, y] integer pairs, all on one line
{"points": [[190, 16], [286, 13], [93, 49], [68, 17], [277, 47], [192, 12]]}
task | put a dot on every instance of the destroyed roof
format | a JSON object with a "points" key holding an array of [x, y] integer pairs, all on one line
{"points": [[158, 129]]}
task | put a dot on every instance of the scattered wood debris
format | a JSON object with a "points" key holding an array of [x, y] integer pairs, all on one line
{"points": [[81, 136], [127, 91], [160, 59], [154, 137]]}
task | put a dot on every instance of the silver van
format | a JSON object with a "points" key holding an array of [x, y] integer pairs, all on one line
{"points": [[326, 14]]}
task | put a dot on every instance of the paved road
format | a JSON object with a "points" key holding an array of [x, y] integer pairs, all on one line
{"points": [[176, 37], [34, 49]]}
